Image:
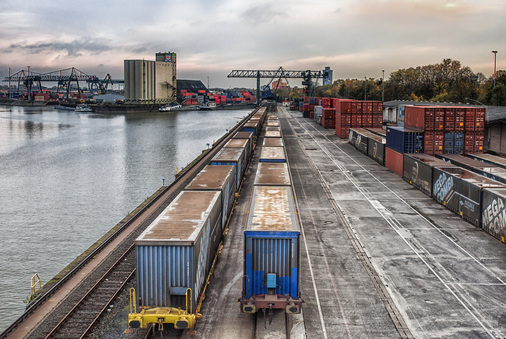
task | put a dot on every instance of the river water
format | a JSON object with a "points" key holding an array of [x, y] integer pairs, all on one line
{"points": [[66, 178]]}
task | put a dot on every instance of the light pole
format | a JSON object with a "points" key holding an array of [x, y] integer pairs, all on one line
{"points": [[365, 88], [383, 86], [495, 63], [207, 83]]}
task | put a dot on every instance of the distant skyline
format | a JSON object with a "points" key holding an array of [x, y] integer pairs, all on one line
{"points": [[356, 38]]}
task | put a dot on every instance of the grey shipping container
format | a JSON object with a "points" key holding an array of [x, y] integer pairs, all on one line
{"points": [[418, 170], [493, 214], [217, 178], [482, 168], [176, 251], [489, 159], [460, 191], [272, 174], [232, 156], [245, 135], [240, 143], [453, 143], [376, 149]]}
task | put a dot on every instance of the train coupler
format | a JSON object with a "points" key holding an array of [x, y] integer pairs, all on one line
{"points": [[163, 315]]}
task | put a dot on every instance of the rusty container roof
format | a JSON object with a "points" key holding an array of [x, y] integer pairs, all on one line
{"points": [[272, 123], [273, 128], [182, 220], [273, 142], [228, 154], [272, 174], [272, 209], [273, 153], [272, 134], [211, 178], [236, 143]]}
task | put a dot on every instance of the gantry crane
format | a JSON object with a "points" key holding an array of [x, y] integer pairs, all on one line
{"points": [[280, 73]]}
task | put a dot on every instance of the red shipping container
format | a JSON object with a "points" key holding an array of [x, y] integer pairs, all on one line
{"points": [[367, 107], [419, 117], [450, 119], [439, 118], [480, 119], [479, 142], [377, 120], [367, 120], [333, 102], [342, 132], [327, 123], [474, 142], [311, 114], [356, 107], [344, 106], [394, 161], [460, 119], [470, 123], [343, 119], [326, 103], [377, 107], [356, 120], [433, 142]]}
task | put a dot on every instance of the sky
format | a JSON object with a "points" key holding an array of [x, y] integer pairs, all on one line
{"points": [[356, 38]]}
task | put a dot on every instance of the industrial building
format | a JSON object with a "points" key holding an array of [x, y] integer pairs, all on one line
{"points": [[151, 82]]}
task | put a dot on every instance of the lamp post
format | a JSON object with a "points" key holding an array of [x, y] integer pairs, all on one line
{"points": [[365, 88], [495, 63], [383, 86]]}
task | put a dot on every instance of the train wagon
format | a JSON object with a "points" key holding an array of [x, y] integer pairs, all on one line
{"points": [[273, 142], [271, 252], [174, 255], [217, 178], [248, 136], [272, 173], [240, 143], [232, 156], [253, 126], [272, 154]]}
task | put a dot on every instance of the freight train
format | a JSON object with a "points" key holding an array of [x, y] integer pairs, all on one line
{"points": [[177, 250]]}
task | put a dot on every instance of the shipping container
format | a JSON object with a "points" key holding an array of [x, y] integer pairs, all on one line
{"points": [[359, 139], [248, 136], [394, 161], [356, 120], [272, 134], [480, 119], [460, 119], [493, 212], [433, 142], [272, 174], [356, 107], [453, 143], [474, 142], [217, 178], [232, 156], [272, 154], [344, 106], [376, 149], [460, 191], [378, 131], [252, 126], [273, 123], [176, 250], [271, 252], [404, 140], [273, 142], [450, 119], [377, 120], [470, 122], [342, 132], [489, 159], [418, 170], [420, 117], [487, 170], [240, 143]]}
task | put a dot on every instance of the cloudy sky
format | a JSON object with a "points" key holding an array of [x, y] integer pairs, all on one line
{"points": [[356, 38]]}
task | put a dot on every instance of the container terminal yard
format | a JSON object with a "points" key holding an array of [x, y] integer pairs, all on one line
{"points": [[371, 254]]}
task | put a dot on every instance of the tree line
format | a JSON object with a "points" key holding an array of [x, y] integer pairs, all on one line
{"points": [[447, 81]]}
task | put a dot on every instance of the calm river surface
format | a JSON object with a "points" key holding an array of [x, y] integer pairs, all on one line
{"points": [[66, 178]]}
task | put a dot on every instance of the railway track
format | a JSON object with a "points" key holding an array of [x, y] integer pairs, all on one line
{"points": [[104, 289], [81, 318]]}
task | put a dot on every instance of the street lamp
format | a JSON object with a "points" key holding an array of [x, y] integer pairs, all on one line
{"points": [[383, 86], [365, 88], [495, 63]]}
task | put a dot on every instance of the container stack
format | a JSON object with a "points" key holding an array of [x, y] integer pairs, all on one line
{"points": [[448, 129]]}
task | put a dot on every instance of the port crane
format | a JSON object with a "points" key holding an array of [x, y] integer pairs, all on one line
{"points": [[64, 79], [279, 74]]}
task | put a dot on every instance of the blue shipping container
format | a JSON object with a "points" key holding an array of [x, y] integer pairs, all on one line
{"points": [[271, 242], [454, 143], [405, 140]]}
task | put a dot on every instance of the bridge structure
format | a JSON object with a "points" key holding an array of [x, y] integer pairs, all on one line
{"points": [[64, 79], [279, 74]]}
